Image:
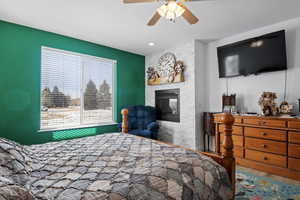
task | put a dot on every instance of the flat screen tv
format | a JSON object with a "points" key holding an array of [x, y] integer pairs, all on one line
{"points": [[265, 53]]}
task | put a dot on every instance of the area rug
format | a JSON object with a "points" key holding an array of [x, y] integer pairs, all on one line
{"points": [[252, 187]]}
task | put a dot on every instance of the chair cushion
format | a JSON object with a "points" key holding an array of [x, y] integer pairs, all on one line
{"points": [[132, 118], [139, 132], [140, 116]]}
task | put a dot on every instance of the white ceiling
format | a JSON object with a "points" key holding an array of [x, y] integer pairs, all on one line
{"points": [[114, 24]]}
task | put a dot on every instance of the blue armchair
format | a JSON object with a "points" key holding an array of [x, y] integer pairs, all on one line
{"points": [[142, 121]]}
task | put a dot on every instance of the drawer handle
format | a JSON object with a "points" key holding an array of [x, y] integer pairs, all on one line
{"points": [[264, 146], [262, 123], [264, 134], [265, 158]]}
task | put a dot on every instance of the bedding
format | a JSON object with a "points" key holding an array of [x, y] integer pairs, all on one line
{"points": [[14, 171], [116, 166]]}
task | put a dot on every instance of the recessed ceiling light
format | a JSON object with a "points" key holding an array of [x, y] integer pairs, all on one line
{"points": [[151, 44]]}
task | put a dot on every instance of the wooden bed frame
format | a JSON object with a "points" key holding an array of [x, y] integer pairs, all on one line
{"points": [[227, 159]]}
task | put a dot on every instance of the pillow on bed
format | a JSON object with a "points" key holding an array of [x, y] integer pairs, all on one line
{"points": [[9, 190], [13, 159]]}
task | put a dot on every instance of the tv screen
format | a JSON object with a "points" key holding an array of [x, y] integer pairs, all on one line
{"points": [[253, 56]]}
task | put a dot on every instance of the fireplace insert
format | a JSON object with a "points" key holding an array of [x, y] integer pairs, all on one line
{"points": [[167, 103]]}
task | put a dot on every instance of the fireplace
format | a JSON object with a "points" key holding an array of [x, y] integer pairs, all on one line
{"points": [[167, 103]]}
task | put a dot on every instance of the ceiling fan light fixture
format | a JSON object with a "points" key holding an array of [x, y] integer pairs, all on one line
{"points": [[179, 11], [171, 10], [162, 10], [172, 5], [170, 16]]}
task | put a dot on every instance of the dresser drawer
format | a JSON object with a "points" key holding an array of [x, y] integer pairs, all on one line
{"points": [[217, 119], [237, 140], [267, 158], [238, 151], [294, 124], [266, 145], [294, 164], [294, 137], [236, 130], [265, 122], [294, 150], [265, 133], [238, 120]]}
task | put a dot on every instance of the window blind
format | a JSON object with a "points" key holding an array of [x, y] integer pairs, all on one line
{"points": [[76, 90]]}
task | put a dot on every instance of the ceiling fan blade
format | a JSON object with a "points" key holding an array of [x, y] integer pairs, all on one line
{"points": [[154, 19], [138, 1], [188, 15]]}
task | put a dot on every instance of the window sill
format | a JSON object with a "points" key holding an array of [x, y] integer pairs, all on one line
{"points": [[77, 127]]}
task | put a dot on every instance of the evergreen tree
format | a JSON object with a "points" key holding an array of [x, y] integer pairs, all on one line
{"points": [[59, 99], [90, 96], [67, 101], [104, 88], [47, 99], [55, 94], [55, 90], [104, 96]]}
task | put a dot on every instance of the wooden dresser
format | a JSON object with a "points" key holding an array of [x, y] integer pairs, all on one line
{"points": [[270, 144]]}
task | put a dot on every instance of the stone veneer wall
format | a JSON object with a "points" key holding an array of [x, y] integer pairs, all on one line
{"points": [[185, 132]]}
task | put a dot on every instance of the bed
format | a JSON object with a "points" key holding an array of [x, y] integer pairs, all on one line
{"points": [[110, 166]]}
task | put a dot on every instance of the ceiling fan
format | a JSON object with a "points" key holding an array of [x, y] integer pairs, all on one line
{"points": [[170, 9]]}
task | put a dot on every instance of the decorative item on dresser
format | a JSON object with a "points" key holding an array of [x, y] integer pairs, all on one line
{"points": [[285, 108], [229, 103], [270, 144], [267, 104]]}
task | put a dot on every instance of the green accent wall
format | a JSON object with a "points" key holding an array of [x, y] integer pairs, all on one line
{"points": [[20, 61]]}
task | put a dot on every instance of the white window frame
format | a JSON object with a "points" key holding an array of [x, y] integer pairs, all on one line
{"points": [[82, 125]]}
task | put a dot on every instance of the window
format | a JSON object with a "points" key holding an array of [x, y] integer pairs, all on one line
{"points": [[76, 90]]}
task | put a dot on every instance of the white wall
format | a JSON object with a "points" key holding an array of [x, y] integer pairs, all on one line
{"points": [[201, 104], [248, 89], [185, 132], [202, 91]]}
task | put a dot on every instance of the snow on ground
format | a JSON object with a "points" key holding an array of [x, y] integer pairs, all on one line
{"points": [[70, 117]]}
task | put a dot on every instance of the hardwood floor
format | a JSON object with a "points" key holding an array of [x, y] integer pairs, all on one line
{"points": [[275, 177]]}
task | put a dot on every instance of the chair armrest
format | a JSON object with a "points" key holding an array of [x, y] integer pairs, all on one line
{"points": [[120, 127], [153, 126]]}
